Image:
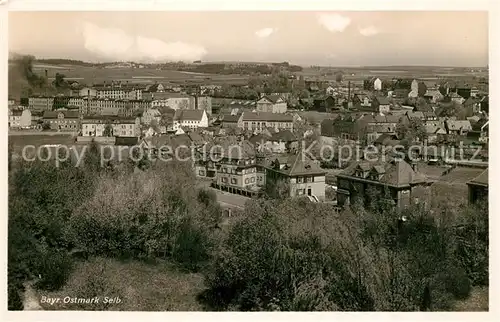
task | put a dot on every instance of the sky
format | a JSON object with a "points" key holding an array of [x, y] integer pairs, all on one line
{"points": [[432, 38]]}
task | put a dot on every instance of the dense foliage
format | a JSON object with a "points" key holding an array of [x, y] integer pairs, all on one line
{"points": [[295, 255], [116, 210], [278, 254]]}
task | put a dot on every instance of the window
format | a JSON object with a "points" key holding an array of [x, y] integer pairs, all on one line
{"points": [[300, 179], [252, 180], [246, 181], [201, 173], [224, 180], [309, 179], [234, 181], [300, 192]]}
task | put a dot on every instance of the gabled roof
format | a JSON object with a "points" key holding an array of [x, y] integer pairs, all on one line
{"points": [[189, 115], [55, 114], [481, 180], [272, 98], [299, 164], [382, 100], [228, 118], [397, 173], [196, 138], [458, 125]]}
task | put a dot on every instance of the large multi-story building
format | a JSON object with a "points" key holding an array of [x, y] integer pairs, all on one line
{"points": [[396, 180], [302, 176], [192, 119], [108, 106], [62, 120], [272, 103], [120, 126], [259, 121], [175, 101], [40, 103], [236, 167], [19, 118]]}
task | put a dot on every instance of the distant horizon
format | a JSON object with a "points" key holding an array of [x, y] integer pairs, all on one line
{"points": [[244, 61], [347, 38]]}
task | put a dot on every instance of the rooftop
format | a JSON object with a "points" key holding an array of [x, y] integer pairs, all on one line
{"points": [[397, 173]]}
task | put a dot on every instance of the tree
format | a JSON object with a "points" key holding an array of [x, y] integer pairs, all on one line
{"points": [[339, 76], [59, 81], [414, 131], [422, 89], [45, 126], [108, 130]]}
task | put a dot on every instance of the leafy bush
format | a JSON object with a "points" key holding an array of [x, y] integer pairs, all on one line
{"points": [[54, 268]]}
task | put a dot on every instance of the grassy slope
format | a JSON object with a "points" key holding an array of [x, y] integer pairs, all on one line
{"points": [[140, 286]]}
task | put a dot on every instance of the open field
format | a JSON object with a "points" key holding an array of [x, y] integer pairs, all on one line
{"points": [[460, 176], [430, 75], [19, 141], [149, 287], [91, 75]]}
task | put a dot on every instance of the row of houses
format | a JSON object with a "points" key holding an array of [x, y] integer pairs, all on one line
{"points": [[236, 166], [372, 126]]}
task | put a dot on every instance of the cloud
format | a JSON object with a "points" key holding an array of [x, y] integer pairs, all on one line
{"points": [[265, 32], [116, 44], [369, 31], [334, 22]]}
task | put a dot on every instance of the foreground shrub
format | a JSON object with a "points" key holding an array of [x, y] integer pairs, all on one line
{"points": [[54, 268]]}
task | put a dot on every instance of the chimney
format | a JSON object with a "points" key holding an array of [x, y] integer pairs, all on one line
{"points": [[196, 107], [46, 73], [349, 91]]}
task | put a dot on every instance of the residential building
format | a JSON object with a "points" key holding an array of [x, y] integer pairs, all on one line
{"points": [[11, 102], [120, 126], [176, 101], [62, 120], [150, 115], [258, 121], [235, 169], [377, 84], [88, 92], [40, 103], [345, 127], [381, 104], [230, 120], [204, 103], [19, 118], [456, 98], [278, 142], [323, 103], [361, 100], [472, 103], [376, 125], [272, 103], [396, 180], [433, 96], [458, 127], [435, 132], [478, 188], [302, 175], [192, 119]]}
